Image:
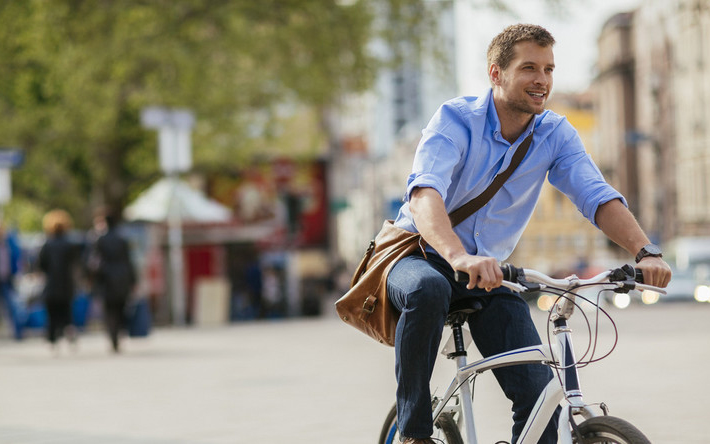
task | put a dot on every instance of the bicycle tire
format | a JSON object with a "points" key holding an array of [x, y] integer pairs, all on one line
{"points": [[609, 429], [445, 426]]}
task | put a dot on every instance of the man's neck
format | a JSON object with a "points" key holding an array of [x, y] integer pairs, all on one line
{"points": [[512, 122]]}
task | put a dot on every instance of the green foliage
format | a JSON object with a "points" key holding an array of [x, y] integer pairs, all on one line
{"points": [[76, 74]]}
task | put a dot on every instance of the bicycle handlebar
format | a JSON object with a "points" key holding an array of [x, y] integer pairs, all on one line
{"points": [[523, 280]]}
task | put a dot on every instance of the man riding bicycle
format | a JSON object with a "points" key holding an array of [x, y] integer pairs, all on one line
{"points": [[467, 142]]}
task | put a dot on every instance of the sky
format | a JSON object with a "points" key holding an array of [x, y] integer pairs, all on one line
{"points": [[575, 31]]}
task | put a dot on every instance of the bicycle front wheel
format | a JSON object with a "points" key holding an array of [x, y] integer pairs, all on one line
{"points": [[445, 429], [608, 429]]}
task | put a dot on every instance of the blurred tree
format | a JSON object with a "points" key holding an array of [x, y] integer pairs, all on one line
{"points": [[76, 73]]}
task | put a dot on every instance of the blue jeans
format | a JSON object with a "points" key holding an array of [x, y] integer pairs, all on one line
{"points": [[422, 289]]}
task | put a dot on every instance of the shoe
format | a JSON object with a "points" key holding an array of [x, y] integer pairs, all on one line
{"points": [[418, 441]]}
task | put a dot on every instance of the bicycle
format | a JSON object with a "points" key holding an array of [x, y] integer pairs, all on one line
{"points": [[579, 422]]}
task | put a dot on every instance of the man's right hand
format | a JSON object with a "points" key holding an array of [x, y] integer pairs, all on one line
{"points": [[484, 272]]}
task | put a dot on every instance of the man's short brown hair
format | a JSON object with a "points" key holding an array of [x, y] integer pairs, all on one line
{"points": [[501, 51]]}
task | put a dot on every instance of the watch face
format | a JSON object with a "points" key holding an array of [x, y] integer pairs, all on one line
{"points": [[652, 249]]}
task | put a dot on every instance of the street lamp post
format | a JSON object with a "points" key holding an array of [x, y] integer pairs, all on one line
{"points": [[175, 155]]}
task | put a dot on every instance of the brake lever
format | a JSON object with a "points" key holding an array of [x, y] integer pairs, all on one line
{"points": [[628, 278], [625, 273], [532, 286], [625, 286]]}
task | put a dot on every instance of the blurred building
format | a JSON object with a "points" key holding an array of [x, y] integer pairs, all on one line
{"points": [[614, 107], [377, 134], [691, 91], [653, 107]]}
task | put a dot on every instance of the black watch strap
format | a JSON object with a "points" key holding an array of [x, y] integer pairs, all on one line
{"points": [[649, 250]]}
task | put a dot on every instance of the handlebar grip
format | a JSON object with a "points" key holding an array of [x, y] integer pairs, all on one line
{"points": [[510, 274], [461, 276]]}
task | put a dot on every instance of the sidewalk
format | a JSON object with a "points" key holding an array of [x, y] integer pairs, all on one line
{"points": [[247, 383], [316, 381]]}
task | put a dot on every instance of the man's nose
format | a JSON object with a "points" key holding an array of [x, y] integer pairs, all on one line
{"points": [[541, 78]]}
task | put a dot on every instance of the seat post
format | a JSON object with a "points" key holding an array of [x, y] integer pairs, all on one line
{"points": [[459, 312], [456, 323]]}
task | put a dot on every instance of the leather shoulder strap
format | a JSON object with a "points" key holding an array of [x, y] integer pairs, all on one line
{"points": [[463, 212]]}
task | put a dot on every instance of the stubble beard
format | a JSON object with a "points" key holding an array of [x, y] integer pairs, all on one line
{"points": [[524, 107]]}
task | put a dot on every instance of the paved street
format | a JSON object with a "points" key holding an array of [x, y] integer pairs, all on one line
{"points": [[317, 381]]}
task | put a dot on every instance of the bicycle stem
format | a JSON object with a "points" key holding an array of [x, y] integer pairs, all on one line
{"points": [[564, 308]]}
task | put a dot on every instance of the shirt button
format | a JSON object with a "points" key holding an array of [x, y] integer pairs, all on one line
{"points": [[477, 234]]}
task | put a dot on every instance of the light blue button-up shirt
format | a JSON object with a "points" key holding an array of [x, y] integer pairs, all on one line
{"points": [[462, 150]]}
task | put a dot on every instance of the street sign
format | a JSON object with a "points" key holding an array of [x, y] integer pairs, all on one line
{"points": [[11, 157], [156, 117], [174, 143]]}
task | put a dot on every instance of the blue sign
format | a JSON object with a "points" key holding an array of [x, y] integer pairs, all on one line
{"points": [[11, 157]]}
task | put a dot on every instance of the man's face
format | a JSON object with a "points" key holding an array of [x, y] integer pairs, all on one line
{"points": [[525, 85]]}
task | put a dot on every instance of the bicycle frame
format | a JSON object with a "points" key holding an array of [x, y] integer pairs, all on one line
{"points": [[455, 408], [566, 386]]}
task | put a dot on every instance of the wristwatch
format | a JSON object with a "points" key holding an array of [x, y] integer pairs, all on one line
{"points": [[649, 250]]}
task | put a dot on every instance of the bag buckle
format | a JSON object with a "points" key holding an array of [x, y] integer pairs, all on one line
{"points": [[369, 305]]}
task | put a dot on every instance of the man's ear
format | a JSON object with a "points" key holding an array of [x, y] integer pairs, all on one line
{"points": [[494, 73]]}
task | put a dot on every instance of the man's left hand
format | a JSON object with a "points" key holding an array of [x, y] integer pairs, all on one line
{"points": [[655, 270]]}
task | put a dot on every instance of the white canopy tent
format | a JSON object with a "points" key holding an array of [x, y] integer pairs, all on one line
{"points": [[153, 205]]}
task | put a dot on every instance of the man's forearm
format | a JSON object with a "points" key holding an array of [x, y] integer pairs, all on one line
{"points": [[620, 225], [617, 222], [433, 223]]}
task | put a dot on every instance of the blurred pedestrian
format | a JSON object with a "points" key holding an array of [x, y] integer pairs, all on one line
{"points": [[91, 258], [57, 260], [10, 256], [115, 277]]}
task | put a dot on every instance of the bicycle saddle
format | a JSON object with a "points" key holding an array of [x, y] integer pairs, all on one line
{"points": [[460, 309]]}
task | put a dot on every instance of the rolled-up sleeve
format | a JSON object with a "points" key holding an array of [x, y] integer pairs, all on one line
{"points": [[439, 151], [575, 174]]}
